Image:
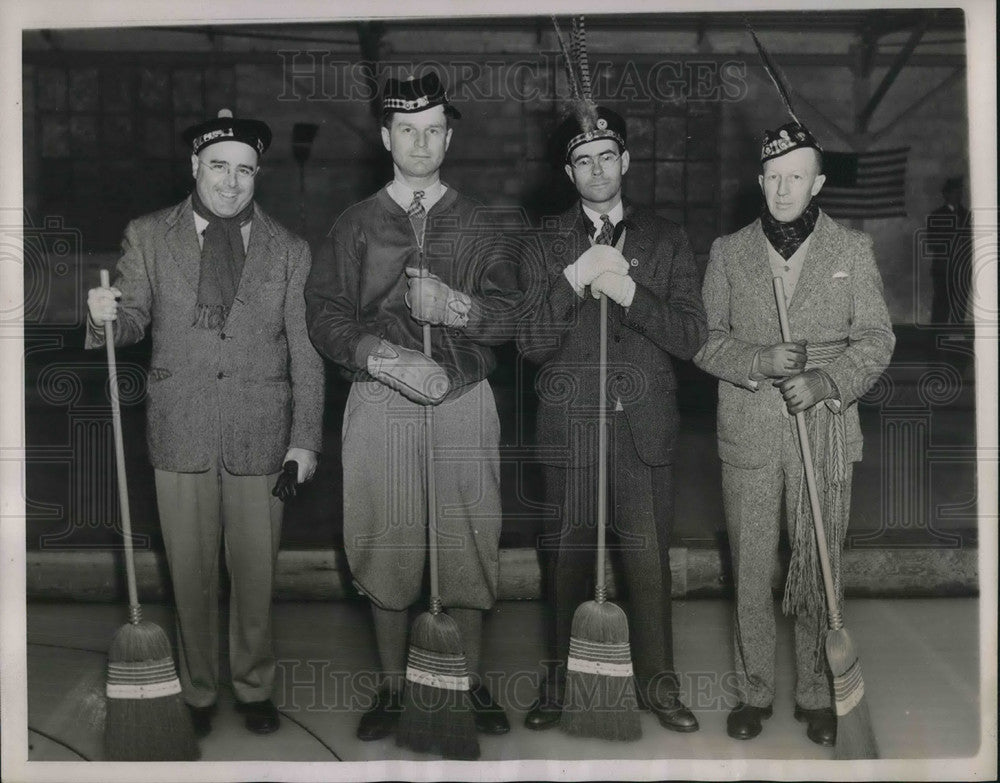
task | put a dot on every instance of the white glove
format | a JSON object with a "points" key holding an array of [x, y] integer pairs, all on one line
{"points": [[592, 264], [102, 304], [618, 288]]}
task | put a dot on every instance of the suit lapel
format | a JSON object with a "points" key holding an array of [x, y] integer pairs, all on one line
{"points": [[636, 247], [816, 266], [757, 265], [182, 242]]}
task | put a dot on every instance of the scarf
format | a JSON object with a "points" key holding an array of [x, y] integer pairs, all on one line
{"points": [[788, 237], [222, 257]]}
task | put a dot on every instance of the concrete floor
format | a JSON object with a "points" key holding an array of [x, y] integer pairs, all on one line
{"points": [[920, 657]]}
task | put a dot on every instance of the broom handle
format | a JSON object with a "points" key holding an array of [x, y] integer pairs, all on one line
{"points": [[116, 420], [807, 463], [600, 588], [602, 451], [432, 543]]}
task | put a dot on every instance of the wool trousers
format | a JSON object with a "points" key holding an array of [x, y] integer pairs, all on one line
{"points": [[197, 511], [753, 500], [385, 500], [641, 505]]}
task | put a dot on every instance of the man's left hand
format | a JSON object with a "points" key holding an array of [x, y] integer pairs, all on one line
{"points": [[618, 288], [804, 390], [431, 300], [307, 462]]}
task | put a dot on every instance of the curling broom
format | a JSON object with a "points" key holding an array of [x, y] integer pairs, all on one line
{"points": [[600, 688], [437, 709], [147, 719], [855, 737]]}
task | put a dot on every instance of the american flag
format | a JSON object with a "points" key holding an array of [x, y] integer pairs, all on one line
{"points": [[864, 184]]}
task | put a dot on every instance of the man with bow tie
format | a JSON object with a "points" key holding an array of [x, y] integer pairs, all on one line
{"points": [[842, 341], [416, 253], [235, 391], [644, 265]]}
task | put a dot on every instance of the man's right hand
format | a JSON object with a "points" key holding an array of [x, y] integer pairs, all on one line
{"points": [[414, 375], [102, 304], [782, 360], [592, 264]]}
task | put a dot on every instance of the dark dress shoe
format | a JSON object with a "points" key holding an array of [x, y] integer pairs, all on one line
{"points": [[489, 715], [544, 714], [673, 715], [201, 719], [260, 717], [822, 724], [382, 718], [744, 721]]}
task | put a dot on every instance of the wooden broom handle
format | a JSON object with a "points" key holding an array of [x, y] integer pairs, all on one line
{"points": [[807, 463], [602, 451], [432, 542], [600, 587], [116, 420]]}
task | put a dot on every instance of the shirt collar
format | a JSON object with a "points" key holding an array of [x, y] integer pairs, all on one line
{"points": [[615, 215], [200, 224], [402, 193]]}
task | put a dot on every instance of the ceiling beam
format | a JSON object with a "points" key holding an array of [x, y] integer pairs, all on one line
{"points": [[865, 115]]}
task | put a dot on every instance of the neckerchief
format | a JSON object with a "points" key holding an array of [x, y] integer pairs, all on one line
{"points": [[788, 237], [222, 257]]}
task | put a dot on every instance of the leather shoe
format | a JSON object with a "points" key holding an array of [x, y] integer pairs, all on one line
{"points": [[260, 717], [544, 714], [382, 718], [822, 724], [201, 719], [489, 715], [673, 715], [744, 721]]}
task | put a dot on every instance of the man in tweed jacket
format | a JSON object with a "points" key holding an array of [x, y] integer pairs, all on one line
{"points": [[235, 391], [842, 341], [655, 315]]}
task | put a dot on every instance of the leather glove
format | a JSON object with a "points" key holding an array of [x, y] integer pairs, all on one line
{"points": [[782, 360], [618, 288], [803, 391], [411, 373], [102, 304], [431, 300], [287, 484], [592, 264]]}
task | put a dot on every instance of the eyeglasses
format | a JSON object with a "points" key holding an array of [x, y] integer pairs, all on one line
{"points": [[585, 162], [223, 169]]}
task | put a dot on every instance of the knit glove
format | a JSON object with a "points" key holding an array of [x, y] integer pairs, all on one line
{"points": [[411, 373], [592, 264], [431, 301], [618, 288], [781, 360]]}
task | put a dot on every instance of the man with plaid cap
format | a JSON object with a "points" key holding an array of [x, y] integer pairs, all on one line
{"points": [[644, 265], [842, 341], [416, 253], [235, 391]]}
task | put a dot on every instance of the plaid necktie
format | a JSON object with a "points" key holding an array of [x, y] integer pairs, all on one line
{"points": [[606, 232], [418, 216]]}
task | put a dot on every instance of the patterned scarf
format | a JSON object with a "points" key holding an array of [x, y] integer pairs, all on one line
{"points": [[788, 237], [222, 257]]}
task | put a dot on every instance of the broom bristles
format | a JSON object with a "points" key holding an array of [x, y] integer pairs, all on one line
{"points": [[855, 736], [147, 719], [600, 689], [437, 712]]}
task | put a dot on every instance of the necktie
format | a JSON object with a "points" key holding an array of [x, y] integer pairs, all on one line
{"points": [[418, 216], [606, 232]]}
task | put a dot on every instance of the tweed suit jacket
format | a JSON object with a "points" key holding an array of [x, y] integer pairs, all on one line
{"points": [[838, 296], [252, 391], [561, 332]]}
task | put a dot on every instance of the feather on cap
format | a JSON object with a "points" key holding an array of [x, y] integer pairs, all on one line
{"points": [[585, 120]]}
